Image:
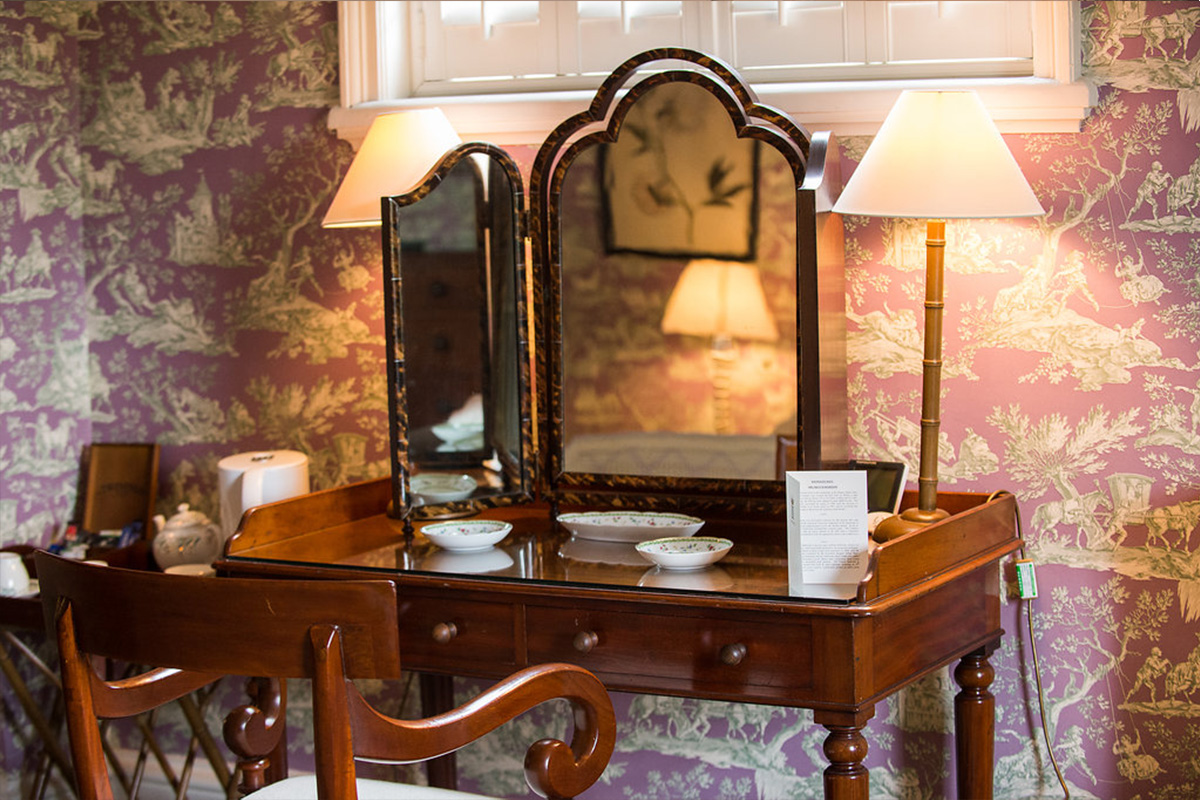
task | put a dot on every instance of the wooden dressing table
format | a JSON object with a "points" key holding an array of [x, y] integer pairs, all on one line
{"points": [[727, 633]]}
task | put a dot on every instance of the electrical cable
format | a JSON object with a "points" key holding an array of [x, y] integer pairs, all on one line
{"points": [[1037, 669]]}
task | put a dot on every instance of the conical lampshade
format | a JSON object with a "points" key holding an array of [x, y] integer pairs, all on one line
{"points": [[398, 151], [938, 155]]}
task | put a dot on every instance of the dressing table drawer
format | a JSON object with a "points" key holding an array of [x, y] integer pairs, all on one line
{"points": [[715, 654], [456, 635]]}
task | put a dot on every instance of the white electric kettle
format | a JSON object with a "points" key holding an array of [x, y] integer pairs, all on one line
{"points": [[246, 480]]}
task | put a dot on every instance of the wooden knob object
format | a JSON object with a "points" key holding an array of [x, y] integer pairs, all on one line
{"points": [[443, 632], [732, 654], [585, 641]]}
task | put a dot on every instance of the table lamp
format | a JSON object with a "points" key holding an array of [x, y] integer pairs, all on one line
{"points": [[398, 151], [937, 156], [720, 300]]}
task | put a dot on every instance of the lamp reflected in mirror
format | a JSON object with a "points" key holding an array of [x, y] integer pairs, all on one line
{"points": [[722, 301], [938, 156]]}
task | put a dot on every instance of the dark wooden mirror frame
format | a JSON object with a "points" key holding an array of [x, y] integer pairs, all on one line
{"points": [[520, 473], [821, 433]]}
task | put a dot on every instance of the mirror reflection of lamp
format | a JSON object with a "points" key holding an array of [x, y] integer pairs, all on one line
{"points": [[722, 301], [399, 150], [938, 156]]}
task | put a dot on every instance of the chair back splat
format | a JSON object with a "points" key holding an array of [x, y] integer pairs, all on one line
{"points": [[190, 631]]}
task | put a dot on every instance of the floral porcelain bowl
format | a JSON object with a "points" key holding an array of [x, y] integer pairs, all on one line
{"points": [[629, 526], [682, 553], [466, 536]]}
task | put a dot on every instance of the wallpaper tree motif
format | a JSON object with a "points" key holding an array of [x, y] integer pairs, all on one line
{"points": [[163, 276]]}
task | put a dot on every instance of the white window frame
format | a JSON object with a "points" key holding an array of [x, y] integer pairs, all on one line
{"points": [[1055, 99]]}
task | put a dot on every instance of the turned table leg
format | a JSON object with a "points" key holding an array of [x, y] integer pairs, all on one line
{"points": [[975, 725], [846, 778], [437, 696]]}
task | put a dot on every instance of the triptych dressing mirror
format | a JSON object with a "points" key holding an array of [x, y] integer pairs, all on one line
{"points": [[677, 340]]}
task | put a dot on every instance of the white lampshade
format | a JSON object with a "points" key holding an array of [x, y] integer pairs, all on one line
{"points": [[399, 150], [720, 299], [938, 155]]}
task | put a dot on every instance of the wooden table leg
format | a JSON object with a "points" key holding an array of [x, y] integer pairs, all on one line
{"points": [[846, 778], [437, 696], [975, 725]]}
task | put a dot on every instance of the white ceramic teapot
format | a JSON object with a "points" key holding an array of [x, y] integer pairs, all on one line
{"points": [[188, 537]]}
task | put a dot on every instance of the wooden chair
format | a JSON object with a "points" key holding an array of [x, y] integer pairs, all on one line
{"points": [[193, 630]]}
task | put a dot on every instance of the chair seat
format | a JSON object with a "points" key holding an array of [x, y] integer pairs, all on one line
{"points": [[304, 787]]}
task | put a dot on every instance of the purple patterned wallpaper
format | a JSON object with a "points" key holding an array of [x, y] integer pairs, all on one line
{"points": [[163, 276]]}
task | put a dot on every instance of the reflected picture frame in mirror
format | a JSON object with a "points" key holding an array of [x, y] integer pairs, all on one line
{"points": [[819, 430], [456, 330]]}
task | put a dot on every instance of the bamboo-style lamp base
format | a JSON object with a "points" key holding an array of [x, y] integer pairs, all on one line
{"points": [[933, 153]]}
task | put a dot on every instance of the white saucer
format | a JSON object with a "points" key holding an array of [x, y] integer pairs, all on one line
{"points": [[195, 570], [32, 590]]}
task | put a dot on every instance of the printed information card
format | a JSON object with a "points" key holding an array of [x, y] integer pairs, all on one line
{"points": [[827, 533]]}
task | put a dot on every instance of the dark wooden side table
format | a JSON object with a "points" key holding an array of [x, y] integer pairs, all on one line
{"points": [[20, 615], [930, 599]]}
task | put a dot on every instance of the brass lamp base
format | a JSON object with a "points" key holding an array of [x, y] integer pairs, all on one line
{"points": [[907, 521]]}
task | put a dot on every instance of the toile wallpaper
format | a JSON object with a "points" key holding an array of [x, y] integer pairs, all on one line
{"points": [[163, 170]]}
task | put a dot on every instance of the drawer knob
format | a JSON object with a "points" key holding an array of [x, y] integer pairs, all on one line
{"points": [[443, 632], [585, 641], [732, 654]]}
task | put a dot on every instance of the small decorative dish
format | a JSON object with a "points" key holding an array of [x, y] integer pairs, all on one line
{"points": [[442, 487], [629, 526], [466, 536], [196, 570], [683, 553], [32, 590]]}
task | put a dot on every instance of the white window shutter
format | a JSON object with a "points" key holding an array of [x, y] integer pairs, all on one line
{"points": [[489, 39], [925, 30], [609, 31], [823, 61], [795, 34]]}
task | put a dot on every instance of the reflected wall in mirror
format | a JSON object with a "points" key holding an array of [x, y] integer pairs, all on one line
{"points": [[693, 304], [459, 368]]}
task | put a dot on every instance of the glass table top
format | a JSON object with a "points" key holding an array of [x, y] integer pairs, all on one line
{"points": [[538, 549]]}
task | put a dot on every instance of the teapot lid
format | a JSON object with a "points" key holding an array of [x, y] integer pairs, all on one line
{"points": [[186, 518]]}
